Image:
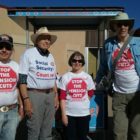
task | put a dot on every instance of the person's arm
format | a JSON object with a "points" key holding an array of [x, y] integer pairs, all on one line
{"points": [[20, 105], [103, 68], [90, 93], [63, 112], [26, 100], [23, 91], [56, 99], [63, 107]]}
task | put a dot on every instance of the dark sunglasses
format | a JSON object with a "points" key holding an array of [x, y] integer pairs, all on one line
{"points": [[44, 37], [122, 24], [79, 61], [7, 47]]}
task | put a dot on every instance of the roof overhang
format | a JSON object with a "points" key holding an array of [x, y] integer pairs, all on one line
{"points": [[63, 17]]}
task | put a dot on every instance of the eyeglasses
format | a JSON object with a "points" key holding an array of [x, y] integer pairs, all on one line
{"points": [[122, 24], [7, 47], [79, 61], [44, 37]]}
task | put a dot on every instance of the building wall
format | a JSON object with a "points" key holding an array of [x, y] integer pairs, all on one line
{"points": [[8, 26], [67, 41]]}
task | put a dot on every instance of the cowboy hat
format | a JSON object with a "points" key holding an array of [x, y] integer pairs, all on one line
{"points": [[43, 31], [121, 18]]}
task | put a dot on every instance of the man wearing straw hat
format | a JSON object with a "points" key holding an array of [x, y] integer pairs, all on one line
{"points": [[126, 82], [38, 85]]}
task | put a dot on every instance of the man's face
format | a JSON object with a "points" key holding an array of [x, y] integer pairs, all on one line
{"points": [[5, 52], [122, 29], [43, 42]]}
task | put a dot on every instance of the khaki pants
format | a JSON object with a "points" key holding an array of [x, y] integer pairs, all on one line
{"points": [[126, 116], [40, 124]]}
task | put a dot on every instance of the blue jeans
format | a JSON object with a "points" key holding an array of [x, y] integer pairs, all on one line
{"points": [[8, 124]]}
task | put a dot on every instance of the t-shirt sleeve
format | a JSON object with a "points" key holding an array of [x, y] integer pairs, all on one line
{"points": [[63, 88], [91, 85], [24, 64], [63, 95], [62, 83], [90, 93]]}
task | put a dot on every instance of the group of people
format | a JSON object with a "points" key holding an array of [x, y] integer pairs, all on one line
{"points": [[30, 89]]}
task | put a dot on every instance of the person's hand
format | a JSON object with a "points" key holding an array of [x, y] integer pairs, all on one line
{"points": [[21, 111], [65, 120], [91, 111], [56, 101], [28, 108]]}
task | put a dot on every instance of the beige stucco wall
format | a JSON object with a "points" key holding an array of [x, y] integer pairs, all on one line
{"points": [[67, 41], [8, 26]]}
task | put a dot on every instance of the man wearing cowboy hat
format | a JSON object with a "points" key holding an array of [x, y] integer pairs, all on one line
{"points": [[126, 82], [38, 85]]}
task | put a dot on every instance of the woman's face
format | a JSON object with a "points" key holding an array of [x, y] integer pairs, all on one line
{"points": [[77, 64]]}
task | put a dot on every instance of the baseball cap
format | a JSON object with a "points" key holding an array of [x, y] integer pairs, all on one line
{"points": [[6, 39]]}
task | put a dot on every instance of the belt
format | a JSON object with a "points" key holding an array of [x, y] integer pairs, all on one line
{"points": [[6, 108], [41, 90]]}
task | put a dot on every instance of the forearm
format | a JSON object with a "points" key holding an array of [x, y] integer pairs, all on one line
{"points": [[27, 103], [103, 67], [63, 106], [55, 89], [23, 91], [20, 103]]}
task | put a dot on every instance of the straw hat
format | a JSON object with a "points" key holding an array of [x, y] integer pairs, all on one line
{"points": [[121, 17], [43, 31]]}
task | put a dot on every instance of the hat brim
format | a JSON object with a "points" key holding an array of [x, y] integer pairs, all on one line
{"points": [[6, 42], [113, 22], [35, 36]]}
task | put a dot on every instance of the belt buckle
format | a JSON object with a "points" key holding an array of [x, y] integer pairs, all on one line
{"points": [[4, 108]]}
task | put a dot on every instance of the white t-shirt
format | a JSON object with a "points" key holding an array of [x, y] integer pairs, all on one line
{"points": [[77, 86], [8, 83], [126, 77], [41, 70]]}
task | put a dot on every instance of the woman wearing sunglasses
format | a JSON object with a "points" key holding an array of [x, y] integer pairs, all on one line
{"points": [[77, 88]]}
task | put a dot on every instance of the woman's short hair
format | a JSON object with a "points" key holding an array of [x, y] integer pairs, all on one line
{"points": [[77, 53]]}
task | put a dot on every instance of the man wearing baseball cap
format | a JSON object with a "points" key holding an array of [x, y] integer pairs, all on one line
{"points": [[9, 94], [126, 80], [38, 85]]}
